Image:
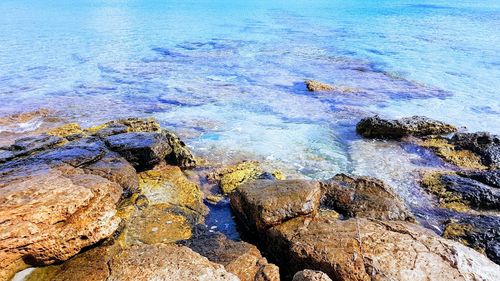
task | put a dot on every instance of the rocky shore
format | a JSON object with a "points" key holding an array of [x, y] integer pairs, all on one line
{"points": [[114, 202]]}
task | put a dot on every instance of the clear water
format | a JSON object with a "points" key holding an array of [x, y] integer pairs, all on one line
{"points": [[227, 75]]}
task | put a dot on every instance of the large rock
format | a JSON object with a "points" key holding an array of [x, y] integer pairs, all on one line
{"points": [[310, 275], [449, 152], [138, 263], [49, 213], [484, 144], [28, 145], [142, 150], [77, 154], [180, 156], [364, 197], [261, 204], [488, 177], [240, 258], [363, 249], [459, 193], [376, 127]]}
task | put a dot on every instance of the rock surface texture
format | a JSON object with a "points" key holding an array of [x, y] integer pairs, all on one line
{"points": [[310, 275], [376, 127]]}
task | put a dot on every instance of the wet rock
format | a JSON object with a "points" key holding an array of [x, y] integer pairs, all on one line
{"points": [[478, 232], [49, 213], [6, 155], [240, 258], [261, 204], [139, 124], [105, 130], [462, 158], [116, 169], [142, 150], [23, 117], [310, 275], [376, 127], [29, 145], [139, 262], [316, 86], [180, 156], [458, 193], [488, 177], [362, 249], [233, 176], [484, 144], [168, 185], [77, 154], [364, 197]]}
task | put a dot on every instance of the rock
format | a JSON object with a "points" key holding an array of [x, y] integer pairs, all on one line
{"points": [[106, 130], [264, 203], [70, 131], [139, 124], [50, 213], [364, 197], [116, 169], [168, 185], [488, 177], [363, 249], [77, 154], [180, 156], [138, 263], [458, 193], [23, 117], [316, 86], [6, 155], [28, 145], [478, 232], [231, 177], [462, 158], [482, 143], [142, 150], [310, 275], [240, 258], [376, 127]]}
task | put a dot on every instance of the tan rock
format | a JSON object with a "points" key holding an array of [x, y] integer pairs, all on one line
{"points": [[316, 86], [229, 178], [240, 258], [50, 213], [137, 263], [66, 130], [362, 249], [364, 197], [310, 275], [261, 204]]}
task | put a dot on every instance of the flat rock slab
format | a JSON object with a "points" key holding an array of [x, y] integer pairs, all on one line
{"points": [[142, 150], [137, 263], [363, 249], [261, 204], [376, 127], [364, 197]]}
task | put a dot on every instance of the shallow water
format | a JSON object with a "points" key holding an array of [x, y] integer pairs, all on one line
{"points": [[228, 75]]}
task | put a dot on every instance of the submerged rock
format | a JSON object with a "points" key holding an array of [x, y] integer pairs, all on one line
{"points": [[460, 193], [482, 143], [310, 275], [240, 258], [362, 249], [49, 213], [316, 86], [364, 197], [138, 262], [142, 150], [376, 127], [262, 204]]}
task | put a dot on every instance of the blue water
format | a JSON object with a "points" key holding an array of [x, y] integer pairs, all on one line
{"points": [[227, 75]]}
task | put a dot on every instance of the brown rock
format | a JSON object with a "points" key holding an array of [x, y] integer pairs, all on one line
{"points": [[230, 178], [240, 258], [264, 203], [50, 213], [316, 86], [364, 197], [310, 275], [362, 249], [137, 263]]}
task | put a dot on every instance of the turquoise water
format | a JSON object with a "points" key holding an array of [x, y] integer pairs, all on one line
{"points": [[228, 75]]}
